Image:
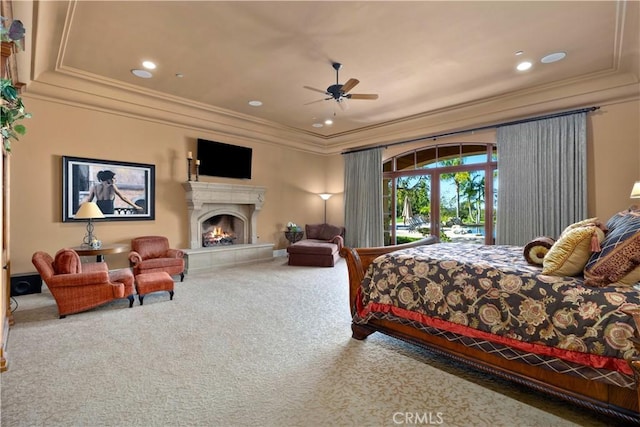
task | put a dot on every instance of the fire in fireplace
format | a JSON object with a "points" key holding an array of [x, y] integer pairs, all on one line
{"points": [[221, 230], [217, 236]]}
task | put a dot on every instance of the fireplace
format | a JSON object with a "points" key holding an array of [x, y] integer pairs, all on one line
{"points": [[223, 225], [237, 206]]}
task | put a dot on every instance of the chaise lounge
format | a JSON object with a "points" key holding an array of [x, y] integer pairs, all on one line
{"points": [[321, 247]]}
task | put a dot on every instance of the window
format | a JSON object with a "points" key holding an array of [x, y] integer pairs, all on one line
{"points": [[442, 191]]}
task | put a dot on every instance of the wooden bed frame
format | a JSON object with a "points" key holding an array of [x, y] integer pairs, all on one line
{"points": [[608, 399]]}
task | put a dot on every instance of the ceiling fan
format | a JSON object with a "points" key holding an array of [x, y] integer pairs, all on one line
{"points": [[340, 93]]}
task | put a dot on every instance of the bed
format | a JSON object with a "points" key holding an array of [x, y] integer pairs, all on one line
{"points": [[488, 307]]}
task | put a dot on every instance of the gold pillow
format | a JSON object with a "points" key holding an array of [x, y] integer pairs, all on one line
{"points": [[569, 255], [584, 222], [590, 221]]}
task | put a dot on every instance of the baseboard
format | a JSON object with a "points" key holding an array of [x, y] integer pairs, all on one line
{"points": [[279, 252], [4, 362]]}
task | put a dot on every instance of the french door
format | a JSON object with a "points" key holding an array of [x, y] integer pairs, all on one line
{"points": [[445, 197]]}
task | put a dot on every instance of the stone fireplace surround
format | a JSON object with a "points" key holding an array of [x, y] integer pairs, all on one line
{"points": [[205, 200]]}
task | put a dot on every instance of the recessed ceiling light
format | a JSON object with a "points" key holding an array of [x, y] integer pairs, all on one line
{"points": [[143, 74], [317, 125], [328, 122], [553, 57], [179, 75], [523, 66], [520, 52], [149, 65], [255, 103]]}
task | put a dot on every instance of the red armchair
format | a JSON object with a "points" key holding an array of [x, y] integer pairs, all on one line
{"points": [[152, 254], [79, 287]]}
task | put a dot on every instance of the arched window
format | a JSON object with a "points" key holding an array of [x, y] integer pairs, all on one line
{"points": [[441, 190]]}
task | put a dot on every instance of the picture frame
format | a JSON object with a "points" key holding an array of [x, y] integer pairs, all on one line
{"points": [[124, 191]]}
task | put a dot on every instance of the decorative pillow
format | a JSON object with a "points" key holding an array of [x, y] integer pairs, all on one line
{"points": [[569, 255], [631, 278], [322, 231], [329, 232], [313, 230], [67, 261], [535, 250], [620, 255], [621, 218], [590, 221]]}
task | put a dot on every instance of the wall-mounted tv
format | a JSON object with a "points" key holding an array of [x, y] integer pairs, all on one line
{"points": [[224, 160]]}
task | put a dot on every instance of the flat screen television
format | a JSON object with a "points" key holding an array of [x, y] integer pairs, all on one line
{"points": [[224, 160]]}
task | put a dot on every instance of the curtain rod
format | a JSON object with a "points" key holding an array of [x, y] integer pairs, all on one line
{"points": [[457, 132]]}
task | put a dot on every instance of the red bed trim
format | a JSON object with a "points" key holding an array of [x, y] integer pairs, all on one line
{"points": [[593, 360]]}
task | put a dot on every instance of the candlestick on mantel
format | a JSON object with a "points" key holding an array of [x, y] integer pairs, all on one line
{"points": [[198, 170], [189, 168], [189, 155]]}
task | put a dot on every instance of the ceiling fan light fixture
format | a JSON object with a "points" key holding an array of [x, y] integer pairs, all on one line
{"points": [[340, 92], [143, 74]]}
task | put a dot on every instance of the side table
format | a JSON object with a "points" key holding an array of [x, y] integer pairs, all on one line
{"points": [[100, 252], [294, 236]]}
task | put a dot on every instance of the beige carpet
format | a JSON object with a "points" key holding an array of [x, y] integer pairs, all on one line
{"points": [[259, 345]]}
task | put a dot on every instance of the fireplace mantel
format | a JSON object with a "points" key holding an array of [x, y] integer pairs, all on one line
{"points": [[205, 199], [199, 193]]}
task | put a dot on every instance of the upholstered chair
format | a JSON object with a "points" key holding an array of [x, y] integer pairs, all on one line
{"points": [[152, 254], [79, 287]]}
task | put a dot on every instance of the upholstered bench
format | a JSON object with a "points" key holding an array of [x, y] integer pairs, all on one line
{"points": [[321, 248], [153, 282]]}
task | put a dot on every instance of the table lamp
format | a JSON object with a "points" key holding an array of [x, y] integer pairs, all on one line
{"points": [[89, 210], [635, 191]]}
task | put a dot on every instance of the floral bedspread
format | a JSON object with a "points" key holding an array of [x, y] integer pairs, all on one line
{"points": [[492, 292]]}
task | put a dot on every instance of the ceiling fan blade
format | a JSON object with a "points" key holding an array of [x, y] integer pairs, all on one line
{"points": [[350, 84], [362, 96], [317, 100], [315, 90]]}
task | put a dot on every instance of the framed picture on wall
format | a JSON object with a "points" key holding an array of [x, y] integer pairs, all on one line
{"points": [[123, 191]]}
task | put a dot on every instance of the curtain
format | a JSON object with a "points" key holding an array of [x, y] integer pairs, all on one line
{"points": [[363, 199], [542, 177]]}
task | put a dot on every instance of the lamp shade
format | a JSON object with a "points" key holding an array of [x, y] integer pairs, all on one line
{"points": [[635, 191], [89, 210], [325, 196]]}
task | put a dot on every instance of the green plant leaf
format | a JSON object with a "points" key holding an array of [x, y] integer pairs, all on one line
{"points": [[20, 129], [9, 93]]}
